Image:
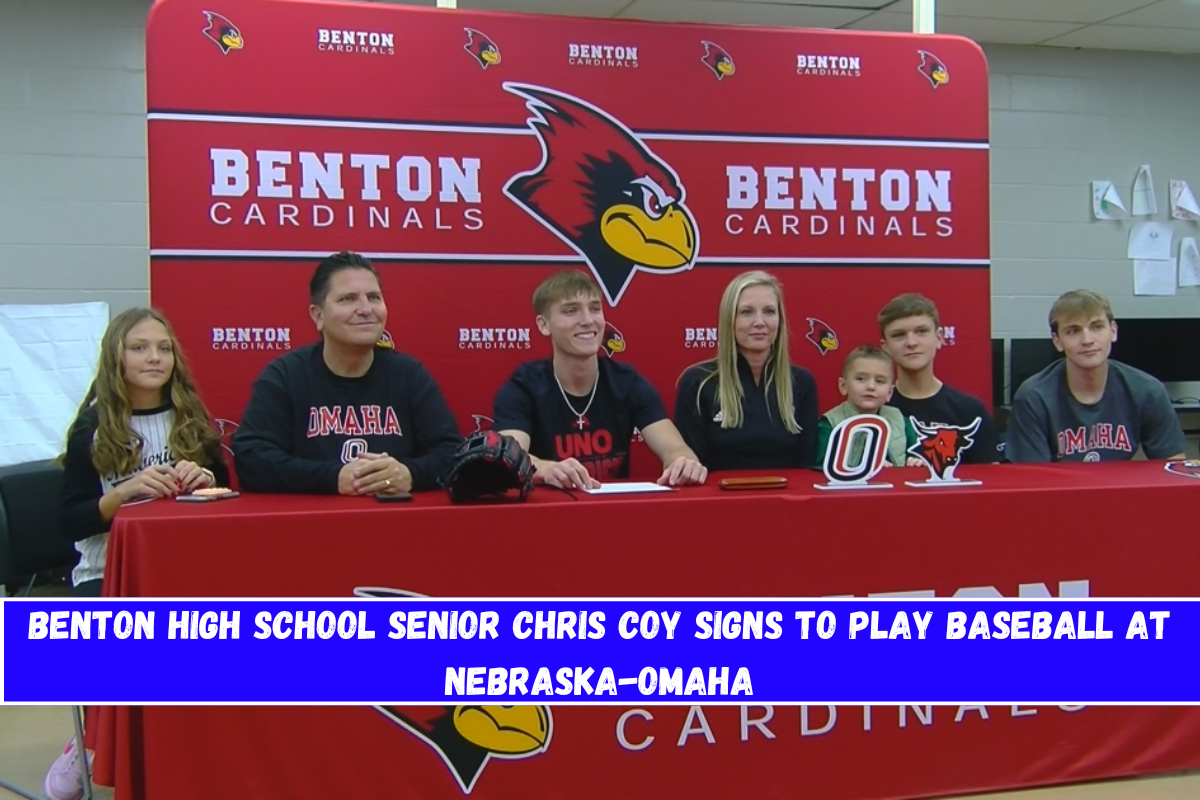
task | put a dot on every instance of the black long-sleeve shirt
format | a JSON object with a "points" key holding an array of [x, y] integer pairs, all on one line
{"points": [[83, 486], [762, 441], [304, 423]]}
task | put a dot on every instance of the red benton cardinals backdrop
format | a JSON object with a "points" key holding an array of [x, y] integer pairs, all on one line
{"points": [[470, 155]]}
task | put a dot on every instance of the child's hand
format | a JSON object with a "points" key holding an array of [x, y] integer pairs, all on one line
{"points": [[192, 476], [155, 481], [914, 462]]}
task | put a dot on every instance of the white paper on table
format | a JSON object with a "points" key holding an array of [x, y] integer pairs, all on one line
{"points": [[1189, 263], [1150, 241], [1183, 202], [631, 487], [1106, 203], [1154, 277], [1144, 203]]}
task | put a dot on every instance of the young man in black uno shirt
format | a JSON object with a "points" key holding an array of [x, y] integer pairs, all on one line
{"points": [[575, 413]]}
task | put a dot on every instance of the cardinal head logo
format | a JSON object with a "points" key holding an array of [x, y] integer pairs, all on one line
{"points": [[223, 33], [482, 48], [717, 59], [821, 335], [603, 192], [933, 69], [467, 737]]}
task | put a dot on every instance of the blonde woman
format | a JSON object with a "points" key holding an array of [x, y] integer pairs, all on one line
{"points": [[750, 408]]}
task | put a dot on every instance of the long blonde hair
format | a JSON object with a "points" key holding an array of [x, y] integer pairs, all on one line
{"points": [[117, 448], [778, 371]]}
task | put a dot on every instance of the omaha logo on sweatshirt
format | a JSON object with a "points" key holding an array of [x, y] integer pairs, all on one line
{"points": [[352, 421]]}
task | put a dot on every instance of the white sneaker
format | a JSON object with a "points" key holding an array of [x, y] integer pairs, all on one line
{"points": [[63, 781]]}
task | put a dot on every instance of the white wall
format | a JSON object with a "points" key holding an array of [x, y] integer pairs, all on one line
{"points": [[73, 177], [1060, 119], [73, 221]]}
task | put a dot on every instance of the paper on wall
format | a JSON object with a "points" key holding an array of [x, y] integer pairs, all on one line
{"points": [[48, 356], [1150, 240], [1183, 202], [1144, 203], [1189, 263], [1106, 202], [1154, 277]]}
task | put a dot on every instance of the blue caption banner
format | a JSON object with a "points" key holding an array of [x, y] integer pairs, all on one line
{"points": [[430, 651]]}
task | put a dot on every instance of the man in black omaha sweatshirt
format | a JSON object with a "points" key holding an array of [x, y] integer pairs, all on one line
{"points": [[345, 415]]}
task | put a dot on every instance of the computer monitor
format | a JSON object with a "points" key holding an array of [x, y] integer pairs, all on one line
{"points": [[1167, 348], [1027, 357]]}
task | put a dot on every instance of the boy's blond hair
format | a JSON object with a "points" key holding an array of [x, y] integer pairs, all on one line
{"points": [[565, 285], [867, 351], [1076, 304], [905, 306]]}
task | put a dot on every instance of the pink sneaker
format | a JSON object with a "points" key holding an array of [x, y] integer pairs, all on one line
{"points": [[63, 781]]}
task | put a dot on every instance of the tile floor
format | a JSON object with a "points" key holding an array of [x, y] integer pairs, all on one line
{"points": [[31, 737]]}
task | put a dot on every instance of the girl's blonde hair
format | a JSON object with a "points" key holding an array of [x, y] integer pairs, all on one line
{"points": [[117, 448]]}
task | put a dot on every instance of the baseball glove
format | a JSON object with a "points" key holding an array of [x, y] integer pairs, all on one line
{"points": [[488, 463]]}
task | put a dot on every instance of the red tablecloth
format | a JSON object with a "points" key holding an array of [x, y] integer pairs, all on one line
{"points": [[1122, 529]]}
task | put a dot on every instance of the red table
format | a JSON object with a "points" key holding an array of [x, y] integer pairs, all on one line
{"points": [[1119, 529]]}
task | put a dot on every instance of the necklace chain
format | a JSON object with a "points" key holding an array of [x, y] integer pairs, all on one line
{"points": [[580, 414]]}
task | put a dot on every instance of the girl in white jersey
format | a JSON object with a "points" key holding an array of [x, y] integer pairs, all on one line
{"points": [[141, 433]]}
